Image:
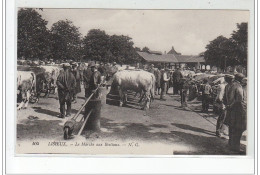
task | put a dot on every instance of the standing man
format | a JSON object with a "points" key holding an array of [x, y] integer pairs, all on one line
{"points": [[66, 84], [164, 80], [176, 77], [152, 70], [102, 69], [103, 72], [76, 73], [184, 88], [95, 80], [220, 101], [158, 80], [87, 73], [206, 91], [237, 107]]}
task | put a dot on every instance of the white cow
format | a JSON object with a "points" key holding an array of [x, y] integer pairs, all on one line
{"points": [[26, 83], [142, 82]]}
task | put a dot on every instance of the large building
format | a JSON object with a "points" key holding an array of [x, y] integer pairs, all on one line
{"points": [[174, 59]]}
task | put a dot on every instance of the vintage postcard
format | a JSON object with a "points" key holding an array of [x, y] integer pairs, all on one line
{"points": [[132, 82]]}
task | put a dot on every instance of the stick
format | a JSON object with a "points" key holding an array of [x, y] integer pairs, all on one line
{"points": [[85, 121], [79, 111]]}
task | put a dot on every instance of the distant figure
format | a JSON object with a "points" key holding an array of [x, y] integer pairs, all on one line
{"points": [[176, 77], [102, 69], [76, 73], [66, 84], [206, 91], [95, 80], [158, 81], [164, 80], [137, 66], [184, 88], [87, 73], [151, 69], [168, 73]]}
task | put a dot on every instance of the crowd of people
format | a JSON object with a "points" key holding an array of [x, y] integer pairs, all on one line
{"points": [[231, 99], [69, 83]]}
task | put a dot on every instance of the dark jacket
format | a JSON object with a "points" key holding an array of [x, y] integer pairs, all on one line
{"points": [[176, 76], [102, 70], [66, 84], [95, 80], [87, 73], [77, 76]]}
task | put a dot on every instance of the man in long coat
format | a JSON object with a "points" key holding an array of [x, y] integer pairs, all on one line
{"points": [[238, 117], [66, 84], [219, 101], [176, 77]]}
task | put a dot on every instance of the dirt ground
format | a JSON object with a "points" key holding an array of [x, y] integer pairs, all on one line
{"points": [[165, 125]]}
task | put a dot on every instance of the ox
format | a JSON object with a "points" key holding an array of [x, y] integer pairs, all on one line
{"points": [[26, 81], [139, 81]]}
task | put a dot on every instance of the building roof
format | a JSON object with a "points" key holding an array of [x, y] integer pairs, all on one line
{"points": [[173, 51], [155, 52], [190, 58], [166, 58]]}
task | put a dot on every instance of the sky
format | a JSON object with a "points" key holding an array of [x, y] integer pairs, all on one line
{"points": [[188, 31]]}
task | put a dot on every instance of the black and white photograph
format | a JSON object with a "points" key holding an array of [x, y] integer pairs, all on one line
{"points": [[132, 81]]}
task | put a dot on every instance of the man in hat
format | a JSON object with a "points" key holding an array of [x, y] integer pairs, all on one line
{"points": [[176, 77], [66, 84], [77, 76], [95, 80], [237, 108], [184, 87], [164, 80], [222, 99]]}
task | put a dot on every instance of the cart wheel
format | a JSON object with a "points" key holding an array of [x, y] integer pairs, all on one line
{"points": [[66, 133]]}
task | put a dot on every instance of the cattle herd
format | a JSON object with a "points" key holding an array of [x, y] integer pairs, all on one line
{"points": [[35, 80]]}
